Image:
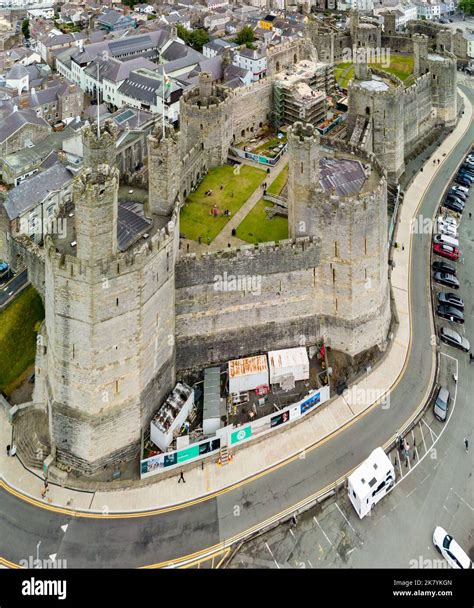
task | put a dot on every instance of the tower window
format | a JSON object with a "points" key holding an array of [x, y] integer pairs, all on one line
{"points": [[336, 249], [333, 275], [365, 245], [301, 168], [116, 302]]}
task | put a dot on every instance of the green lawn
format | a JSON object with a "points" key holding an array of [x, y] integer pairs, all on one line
{"points": [[256, 227], [400, 66], [196, 219], [19, 323]]}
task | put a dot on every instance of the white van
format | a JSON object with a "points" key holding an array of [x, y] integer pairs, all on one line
{"points": [[444, 239], [447, 228], [370, 482]]}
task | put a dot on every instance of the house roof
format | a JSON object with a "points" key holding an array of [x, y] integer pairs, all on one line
{"points": [[11, 120], [35, 189]]}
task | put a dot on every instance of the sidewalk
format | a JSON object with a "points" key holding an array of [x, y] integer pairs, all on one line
{"points": [[255, 459]]}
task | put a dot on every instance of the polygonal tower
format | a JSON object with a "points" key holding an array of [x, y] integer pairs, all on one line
{"points": [[206, 120], [164, 171], [339, 196], [106, 354]]}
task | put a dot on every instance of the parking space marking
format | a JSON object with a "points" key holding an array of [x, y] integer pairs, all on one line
{"points": [[325, 535], [433, 434], [464, 501], [348, 522], [423, 437], [273, 557]]}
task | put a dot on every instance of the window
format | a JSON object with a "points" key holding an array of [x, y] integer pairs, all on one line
{"points": [[333, 275]]}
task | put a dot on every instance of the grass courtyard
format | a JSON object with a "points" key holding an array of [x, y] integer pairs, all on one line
{"points": [[400, 66], [256, 227], [19, 324], [196, 219]]}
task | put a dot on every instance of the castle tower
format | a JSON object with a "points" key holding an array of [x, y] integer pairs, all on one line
{"points": [[303, 178], [377, 122], [352, 287], [96, 197], [206, 120], [164, 171], [420, 52], [443, 68], [444, 41], [106, 357], [390, 23], [361, 68]]}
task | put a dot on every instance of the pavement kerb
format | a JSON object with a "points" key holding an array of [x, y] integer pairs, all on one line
{"points": [[398, 341]]}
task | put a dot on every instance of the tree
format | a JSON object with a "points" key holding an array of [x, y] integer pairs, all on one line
{"points": [[196, 38], [467, 6], [25, 28], [245, 35]]}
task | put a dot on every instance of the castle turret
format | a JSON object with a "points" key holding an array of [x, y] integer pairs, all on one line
{"points": [[95, 196], [420, 52], [361, 68], [390, 23], [164, 171], [303, 178], [206, 120], [443, 69]]}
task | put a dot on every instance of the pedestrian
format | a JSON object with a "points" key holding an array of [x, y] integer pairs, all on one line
{"points": [[471, 357], [455, 378], [294, 520], [466, 444], [181, 477], [470, 215], [187, 247], [403, 247], [208, 240], [8, 450], [43, 492]]}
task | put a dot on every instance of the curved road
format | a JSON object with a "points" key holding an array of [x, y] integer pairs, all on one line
{"points": [[170, 534]]}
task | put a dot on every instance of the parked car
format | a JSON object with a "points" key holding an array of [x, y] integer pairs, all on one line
{"points": [[450, 313], [447, 228], [448, 219], [455, 199], [459, 193], [451, 299], [452, 338], [449, 280], [446, 251], [466, 176], [441, 404], [467, 167], [453, 207], [464, 181], [444, 239], [450, 550], [459, 188], [441, 266], [3, 267]]}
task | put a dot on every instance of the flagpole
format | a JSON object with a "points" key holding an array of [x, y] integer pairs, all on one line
{"points": [[163, 109]]}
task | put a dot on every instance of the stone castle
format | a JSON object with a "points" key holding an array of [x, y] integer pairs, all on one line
{"points": [[125, 315]]}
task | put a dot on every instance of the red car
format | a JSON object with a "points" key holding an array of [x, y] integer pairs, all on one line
{"points": [[446, 251]]}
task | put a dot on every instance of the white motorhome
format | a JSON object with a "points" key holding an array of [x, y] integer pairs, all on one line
{"points": [[370, 482]]}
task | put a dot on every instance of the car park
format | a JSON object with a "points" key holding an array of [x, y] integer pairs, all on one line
{"points": [[446, 251], [446, 297], [450, 550], [441, 404], [442, 266], [452, 338], [450, 313], [449, 280]]}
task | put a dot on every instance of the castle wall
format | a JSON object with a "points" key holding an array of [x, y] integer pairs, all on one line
{"points": [[419, 119]]}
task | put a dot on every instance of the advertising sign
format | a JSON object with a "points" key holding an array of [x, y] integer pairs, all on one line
{"points": [[188, 453], [280, 418], [240, 435], [310, 402]]}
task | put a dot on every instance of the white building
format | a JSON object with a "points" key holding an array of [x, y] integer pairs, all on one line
{"points": [[253, 60], [428, 10]]}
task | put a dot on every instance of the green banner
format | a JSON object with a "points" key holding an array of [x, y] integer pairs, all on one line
{"points": [[188, 453], [240, 435]]}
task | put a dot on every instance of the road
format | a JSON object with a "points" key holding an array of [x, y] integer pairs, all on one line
{"points": [[7, 290], [171, 534], [437, 488]]}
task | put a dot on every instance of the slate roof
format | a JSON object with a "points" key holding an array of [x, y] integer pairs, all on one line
{"points": [[344, 175], [11, 120], [35, 189]]}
